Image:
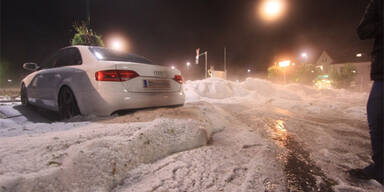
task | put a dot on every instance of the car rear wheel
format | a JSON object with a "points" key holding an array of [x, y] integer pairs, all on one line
{"points": [[67, 104], [24, 95]]}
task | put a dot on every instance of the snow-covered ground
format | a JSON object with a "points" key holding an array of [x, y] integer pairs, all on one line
{"points": [[5, 98], [229, 136]]}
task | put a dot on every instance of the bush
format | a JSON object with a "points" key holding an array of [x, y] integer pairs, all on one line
{"points": [[343, 77], [4, 72], [86, 36], [305, 74], [274, 73]]}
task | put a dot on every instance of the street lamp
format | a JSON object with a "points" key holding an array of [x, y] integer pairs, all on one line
{"points": [[117, 43], [188, 64], [172, 67], [304, 55], [272, 9], [249, 70], [284, 64], [359, 55]]}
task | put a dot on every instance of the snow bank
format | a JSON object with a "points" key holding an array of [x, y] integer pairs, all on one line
{"points": [[93, 158], [15, 123], [294, 97], [260, 86], [9, 98], [213, 88], [5, 98]]}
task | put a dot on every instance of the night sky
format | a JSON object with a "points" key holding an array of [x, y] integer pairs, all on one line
{"points": [[169, 31]]}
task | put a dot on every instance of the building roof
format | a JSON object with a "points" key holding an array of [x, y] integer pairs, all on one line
{"points": [[324, 59], [345, 57]]}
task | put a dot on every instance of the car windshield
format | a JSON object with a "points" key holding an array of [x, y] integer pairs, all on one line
{"points": [[104, 54]]}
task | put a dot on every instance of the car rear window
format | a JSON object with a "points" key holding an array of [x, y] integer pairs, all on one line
{"points": [[105, 54]]}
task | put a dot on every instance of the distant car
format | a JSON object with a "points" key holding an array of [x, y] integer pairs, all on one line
{"points": [[96, 80]]}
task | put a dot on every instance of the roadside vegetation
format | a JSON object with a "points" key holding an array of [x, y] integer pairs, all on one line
{"points": [[309, 74], [86, 36]]}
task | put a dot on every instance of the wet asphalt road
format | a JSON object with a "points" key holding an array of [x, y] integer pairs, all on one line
{"points": [[288, 131]]}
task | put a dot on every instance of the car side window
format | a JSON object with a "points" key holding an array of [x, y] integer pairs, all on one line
{"points": [[68, 57], [75, 56], [50, 62], [60, 60]]}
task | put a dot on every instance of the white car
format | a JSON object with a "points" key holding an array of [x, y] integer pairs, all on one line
{"points": [[96, 80]]}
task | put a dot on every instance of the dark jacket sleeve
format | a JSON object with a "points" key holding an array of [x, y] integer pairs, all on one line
{"points": [[370, 24]]}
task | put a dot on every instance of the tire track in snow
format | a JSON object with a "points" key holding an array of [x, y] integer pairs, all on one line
{"points": [[301, 172]]}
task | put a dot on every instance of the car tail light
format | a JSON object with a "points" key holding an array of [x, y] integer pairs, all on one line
{"points": [[115, 75], [178, 78]]}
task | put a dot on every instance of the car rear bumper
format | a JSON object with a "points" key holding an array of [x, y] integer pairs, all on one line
{"points": [[105, 103]]}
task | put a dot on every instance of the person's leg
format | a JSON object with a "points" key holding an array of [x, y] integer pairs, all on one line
{"points": [[375, 121]]}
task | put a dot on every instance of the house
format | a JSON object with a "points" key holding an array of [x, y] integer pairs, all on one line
{"points": [[324, 62], [215, 73], [361, 61]]}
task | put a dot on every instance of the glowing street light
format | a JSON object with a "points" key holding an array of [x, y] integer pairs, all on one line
{"points": [[304, 55], [285, 63], [359, 55], [272, 9], [188, 64], [172, 67], [117, 43], [248, 70]]}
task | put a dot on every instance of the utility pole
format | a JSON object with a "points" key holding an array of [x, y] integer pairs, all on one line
{"points": [[206, 60], [87, 12], [206, 64], [225, 62]]}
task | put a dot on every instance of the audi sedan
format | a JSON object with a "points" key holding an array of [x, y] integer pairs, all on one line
{"points": [[95, 80]]}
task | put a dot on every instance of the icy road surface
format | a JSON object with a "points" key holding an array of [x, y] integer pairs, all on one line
{"points": [[248, 136]]}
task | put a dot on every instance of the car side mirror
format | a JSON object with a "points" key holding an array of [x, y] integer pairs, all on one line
{"points": [[31, 66]]}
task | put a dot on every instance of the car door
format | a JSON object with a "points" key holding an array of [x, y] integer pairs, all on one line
{"points": [[34, 88], [37, 90], [51, 78], [61, 70]]}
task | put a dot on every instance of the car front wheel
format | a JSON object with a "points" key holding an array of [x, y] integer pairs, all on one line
{"points": [[67, 104], [24, 95]]}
